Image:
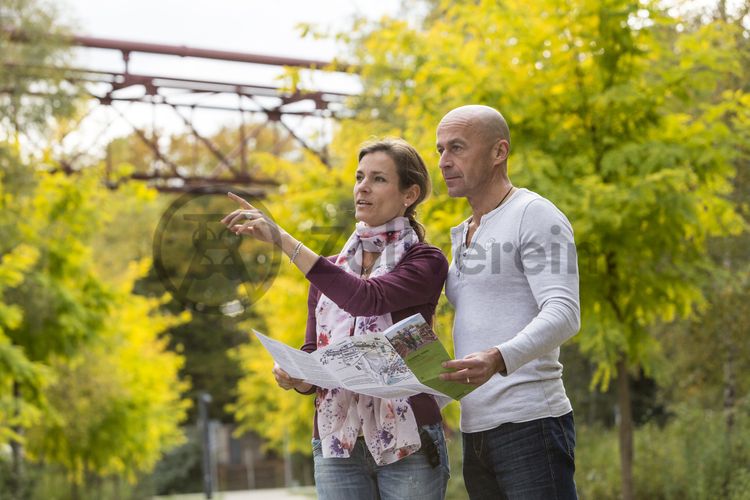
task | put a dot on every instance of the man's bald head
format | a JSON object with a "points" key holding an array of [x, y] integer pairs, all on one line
{"points": [[483, 120]]}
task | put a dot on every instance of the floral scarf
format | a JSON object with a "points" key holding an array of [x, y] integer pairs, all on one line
{"points": [[388, 425]]}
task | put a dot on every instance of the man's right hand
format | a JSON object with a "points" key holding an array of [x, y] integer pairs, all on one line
{"points": [[475, 368]]}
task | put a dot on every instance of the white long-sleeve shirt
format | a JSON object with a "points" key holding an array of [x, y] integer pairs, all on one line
{"points": [[515, 287]]}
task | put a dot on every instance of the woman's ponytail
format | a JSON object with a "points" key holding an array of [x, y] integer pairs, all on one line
{"points": [[411, 214]]}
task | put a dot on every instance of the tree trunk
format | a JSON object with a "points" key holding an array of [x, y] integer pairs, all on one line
{"points": [[74, 491], [626, 429], [16, 447], [118, 487], [729, 396], [730, 381], [730, 389]]}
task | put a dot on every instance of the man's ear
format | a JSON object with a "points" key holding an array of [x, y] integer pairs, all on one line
{"points": [[502, 148]]}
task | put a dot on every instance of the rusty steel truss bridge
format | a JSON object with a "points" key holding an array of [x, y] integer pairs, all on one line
{"points": [[257, 106]]}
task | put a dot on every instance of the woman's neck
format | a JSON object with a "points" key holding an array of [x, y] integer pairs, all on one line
{"points": [[368, 260]]}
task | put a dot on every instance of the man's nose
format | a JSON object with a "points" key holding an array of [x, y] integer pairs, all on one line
{"points": [[444, 161]]}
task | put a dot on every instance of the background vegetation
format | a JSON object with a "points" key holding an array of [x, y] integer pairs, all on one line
{"points": [[632, 117]]}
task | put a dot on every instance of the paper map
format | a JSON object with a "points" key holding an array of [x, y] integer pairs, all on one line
{"points": [[402, 361]]}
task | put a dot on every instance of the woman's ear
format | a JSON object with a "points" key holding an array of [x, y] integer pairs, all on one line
{"points": [[412, 194]]}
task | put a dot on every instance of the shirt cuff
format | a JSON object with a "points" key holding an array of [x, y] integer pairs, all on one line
{"points": [[511, 362], [311, 390]]}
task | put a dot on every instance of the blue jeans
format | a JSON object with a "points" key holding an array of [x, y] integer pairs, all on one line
{"points": [[522, 461], [360, 478]]}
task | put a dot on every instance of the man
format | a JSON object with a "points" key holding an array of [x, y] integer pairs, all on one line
{"points": [[514, 284]]}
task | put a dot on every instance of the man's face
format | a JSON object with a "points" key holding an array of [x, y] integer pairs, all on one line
{"points": [[466, 159]]}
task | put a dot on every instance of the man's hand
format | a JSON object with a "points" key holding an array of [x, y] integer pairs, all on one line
{"points": [[476, 368]]}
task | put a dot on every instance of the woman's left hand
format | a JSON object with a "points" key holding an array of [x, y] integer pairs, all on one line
{"points": [[250, 221], [286, 382]]}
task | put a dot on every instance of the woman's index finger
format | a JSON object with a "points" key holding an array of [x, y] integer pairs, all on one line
{"points": [[239, 200]]}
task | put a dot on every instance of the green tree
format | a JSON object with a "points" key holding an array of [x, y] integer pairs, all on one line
{"points": [[31, 93], [709, 373], [116, 406], [85, 372], [33, 85], [62, 303], [15, 367]]}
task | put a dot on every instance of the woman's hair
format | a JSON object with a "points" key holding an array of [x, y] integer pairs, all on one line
{"points": [[411, 170]]}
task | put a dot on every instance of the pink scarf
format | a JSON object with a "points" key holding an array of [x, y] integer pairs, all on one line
{"points": [[388, 425]]}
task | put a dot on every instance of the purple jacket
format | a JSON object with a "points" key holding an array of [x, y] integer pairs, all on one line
{"points": [[412, 287]]}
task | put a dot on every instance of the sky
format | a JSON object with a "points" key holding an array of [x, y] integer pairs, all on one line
{"points": [[256, 26], [265, 26]]}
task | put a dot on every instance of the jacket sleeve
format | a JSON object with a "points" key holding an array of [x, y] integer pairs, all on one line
{"points": [[417, 279]]}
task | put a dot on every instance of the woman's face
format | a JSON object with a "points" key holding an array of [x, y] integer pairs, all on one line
{"points": [[377, 197]]}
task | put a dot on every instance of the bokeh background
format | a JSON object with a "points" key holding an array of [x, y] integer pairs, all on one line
{"points": [[633, 117]]}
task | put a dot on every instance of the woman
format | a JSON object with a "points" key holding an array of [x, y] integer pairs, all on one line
{"points": [[366, 447]]}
